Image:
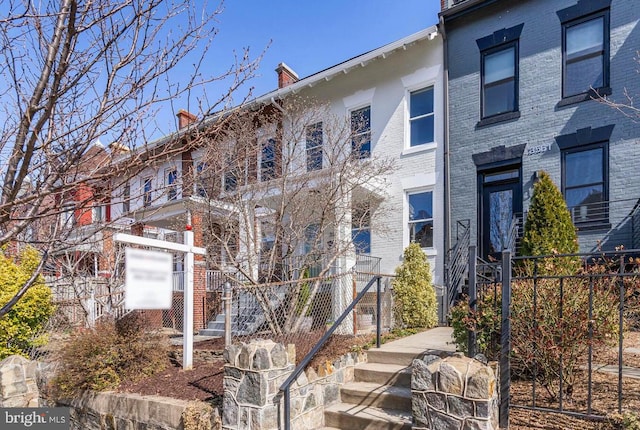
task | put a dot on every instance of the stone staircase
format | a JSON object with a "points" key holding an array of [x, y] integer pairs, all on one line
{"points": [[380, 396]]}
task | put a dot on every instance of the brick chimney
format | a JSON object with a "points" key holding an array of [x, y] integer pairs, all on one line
{"points": [[286, 76], [185, 118]]}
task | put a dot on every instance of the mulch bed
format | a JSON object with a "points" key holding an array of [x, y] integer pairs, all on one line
{"points": [[205, 382]]}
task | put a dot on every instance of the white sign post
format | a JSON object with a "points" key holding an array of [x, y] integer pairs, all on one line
{"points": [[189, 250]]}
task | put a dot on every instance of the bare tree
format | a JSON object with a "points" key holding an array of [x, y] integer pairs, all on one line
{"points": [[287, 184], [628, 106], [74, 72]]}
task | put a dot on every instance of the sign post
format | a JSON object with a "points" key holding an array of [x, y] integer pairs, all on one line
{"points": [[189, 250]]}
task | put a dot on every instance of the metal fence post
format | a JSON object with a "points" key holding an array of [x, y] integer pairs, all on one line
{"points": [[227, 313], [505, 340], [378, 311], [473, 299]]}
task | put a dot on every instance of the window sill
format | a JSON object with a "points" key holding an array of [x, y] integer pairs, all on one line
{"points": [[431, 252], [420, 148], [503, 117], [579, 98]]}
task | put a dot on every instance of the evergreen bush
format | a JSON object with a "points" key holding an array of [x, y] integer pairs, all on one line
{"points": [[21, 329], [548, 228], [414, 295]]}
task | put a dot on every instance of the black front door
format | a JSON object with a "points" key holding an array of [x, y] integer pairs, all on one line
{"points": [[500, 200]]}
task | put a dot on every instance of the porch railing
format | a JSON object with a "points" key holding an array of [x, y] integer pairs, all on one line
{"points": [[215, 280], [457, 266]]}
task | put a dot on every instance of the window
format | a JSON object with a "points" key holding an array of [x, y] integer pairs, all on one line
{"points": [[585, 49], [361, 230], [499, 80], [233, 175], [421, 218], [172, 178], [421, 118], [67, 216], [268, 160], [499, 53], [268, 237], [147, 184], [201, 169], [230, 180], [98, 213], [361, 132], [314, 147], [585, 183], [126, 198]]}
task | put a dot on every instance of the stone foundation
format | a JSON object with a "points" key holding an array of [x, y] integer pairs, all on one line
{"points": [[19, 388], [124, 411], [454, 393], [254, 373], [18, 383]]}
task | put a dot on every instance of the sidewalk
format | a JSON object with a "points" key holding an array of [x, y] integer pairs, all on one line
{"points": [[434, 339]]}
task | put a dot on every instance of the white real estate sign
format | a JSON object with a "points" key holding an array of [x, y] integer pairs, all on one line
{"points": [[149, 279]]}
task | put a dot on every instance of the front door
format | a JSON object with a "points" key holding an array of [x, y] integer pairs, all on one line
{"points": [[500, 200]]}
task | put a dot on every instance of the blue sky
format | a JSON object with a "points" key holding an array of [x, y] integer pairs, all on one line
{"points": [[307, 35]]}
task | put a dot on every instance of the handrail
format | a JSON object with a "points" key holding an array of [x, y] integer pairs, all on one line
{"points": [[286, 385], [514, 229], [457, 265]]}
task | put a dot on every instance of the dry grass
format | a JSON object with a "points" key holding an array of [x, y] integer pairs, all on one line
{"points": [[604, 397]]}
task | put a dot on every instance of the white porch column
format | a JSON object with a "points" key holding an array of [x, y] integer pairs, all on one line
{"points": [[343, 286], [248, 247]]}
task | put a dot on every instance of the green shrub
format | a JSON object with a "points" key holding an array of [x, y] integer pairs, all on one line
{"points": [[547, 331], [485, 322], [548, 228], [21, 328], [414, 295], [112, 352]]}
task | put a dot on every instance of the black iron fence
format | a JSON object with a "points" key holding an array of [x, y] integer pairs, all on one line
{"points": [[562, 327]]}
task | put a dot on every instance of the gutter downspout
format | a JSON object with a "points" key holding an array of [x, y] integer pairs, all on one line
{"points": [[447, 187]]}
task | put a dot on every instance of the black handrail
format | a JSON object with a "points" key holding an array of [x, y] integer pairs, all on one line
{"points": [[286, 385]]}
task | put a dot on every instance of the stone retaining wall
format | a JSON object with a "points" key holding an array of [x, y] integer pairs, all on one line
{"points": [[19, 387], [454, 393], [255, 371], [18, 383], [124, 411]]}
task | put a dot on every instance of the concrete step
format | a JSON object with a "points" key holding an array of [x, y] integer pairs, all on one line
{"points": [[360, 417], [376, 395], [383, 374], [404, 358], [211, 332]]}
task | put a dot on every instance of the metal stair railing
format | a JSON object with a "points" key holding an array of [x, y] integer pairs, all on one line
{"points": [[458, 263], [285, 388], [514, 234]]}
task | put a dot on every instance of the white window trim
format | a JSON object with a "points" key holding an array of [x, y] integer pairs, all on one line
{"points": [[98, 213], [321, 146], [359, 99], [196, 181], [419, 184], [143, 192], [265, 139], [422, 78], [168, 186]]}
